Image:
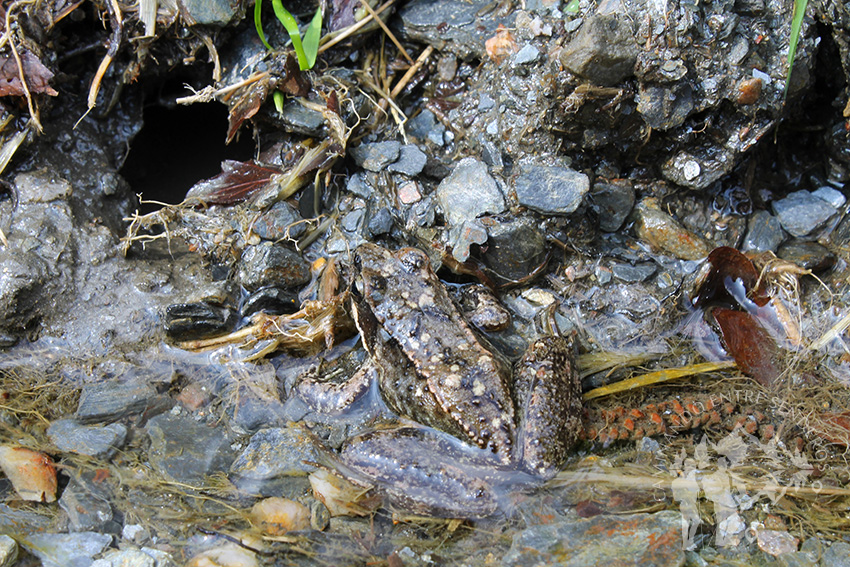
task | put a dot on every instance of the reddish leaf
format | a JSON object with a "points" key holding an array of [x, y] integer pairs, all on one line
{"points": [[753, 349], [293, 81], [245, 104], [236, 182], [728, 263], [37, 76]]}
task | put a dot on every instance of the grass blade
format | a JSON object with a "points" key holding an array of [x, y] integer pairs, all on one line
{"points": [[796, 26], [312, 37], [258, 22], [291, 25]]}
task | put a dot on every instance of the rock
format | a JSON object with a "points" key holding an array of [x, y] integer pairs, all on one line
{"points": [[376, 156], [425, 126], [279, 222], [659, 229], [411, 161], [634, 539], [832, 196], [516, 248], [528, 54], [276, 516], [358, 184], [41, 186], [664, 107], [633, 273], [66, 550], [802, 214], [837, 555], [469, 192], [31, 473], [603, 51], [110, 400], [186, 451], [381, 222], [698, 167], [550, 189], [270, 264], [98, 441], [763, 232], [86, 505], [145, 557], [774, 542], [135, 533], [612, 201], [21, 521], [273, 453], [189, 321], [227, 555], [273, 300], [8, 551], [208, 12], [808, 255], [299, 119]]}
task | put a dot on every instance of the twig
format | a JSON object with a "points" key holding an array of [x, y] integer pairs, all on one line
{"points": [[387, 31], [33, 111], [208, 93], [423, 57], [656, 378], [350, 30], [832, 333], [114, 44]]}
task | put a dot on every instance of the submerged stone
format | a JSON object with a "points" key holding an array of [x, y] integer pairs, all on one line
{"points": [[66, 550], [763, 232], [187, 451], [94, 440], [550, 189]]}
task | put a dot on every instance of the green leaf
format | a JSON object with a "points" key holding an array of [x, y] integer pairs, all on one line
{"points": [[291, 26], [312, 37], [277, 96], [572, 7], [796, 26], [258, 22]]}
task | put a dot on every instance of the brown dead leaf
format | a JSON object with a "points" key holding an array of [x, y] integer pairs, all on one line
{"points": [[36, 74], [236, 182], [754, 350], [245, 103], [501, 45]]}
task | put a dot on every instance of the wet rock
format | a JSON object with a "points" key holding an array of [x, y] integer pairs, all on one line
{"points": [[208, 12], [31, 473], [836, 555], [698, 167], [802, 214], [188, 321], [411, 161], [145, 557], [832, 196], [664, 107], [276, 516], [273, 300], [299, 119], [633, 273], [227, 555], [808, 255], [482, 309], [612, 201], [187, 451], [516, 248], [273, 453], [270, 264], [425, 126], [462, 237], [663, 231], [66, 550], [98, 441], [358, 184], [87, 506], [469, 192], [109, 400], [381, 222], [8, 551], [279, 222], [601, 540], [41, 187], [550, 189], [376, 156], [21, 521], [528, 54], [763, 232], [353, 220], [603, 51]]}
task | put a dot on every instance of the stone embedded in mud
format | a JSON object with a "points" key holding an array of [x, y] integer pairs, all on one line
{"points": [[98, 441], [469, 192], [376, 156], [802, 214], [659, 229], [633, 273], [208, 12], [763, 232], [187, 451], [612, 201], [41, 187], [807, 255], [550, 190], [268, 264], [664, 107], [603, 51]]}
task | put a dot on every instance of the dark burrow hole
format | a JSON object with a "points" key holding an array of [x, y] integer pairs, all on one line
{"points": [[179, 146]]}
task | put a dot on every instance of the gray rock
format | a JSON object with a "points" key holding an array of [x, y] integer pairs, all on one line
{"points": [[109, 400], [279, 222], [87, 506], [411, 161], [698, 167], [273, 453], [269, 263], [485, 102], [462, 236], [125, 558], [358, 185], [425, 126], [604, 50], [299, 119], [186, 451], [550, 189], [665, 107], [837, 555], [469, 192], [14, 521], [99, 441], [8, 551], [633, 273], [516, 247], [66, 550], [208, 12], [807, 255], [802, 214], [353, 220], [832, 196], [376, 156], [41, 186], [381, 222], [601, 540], [763, 232], [613, 201], [528, 54]]}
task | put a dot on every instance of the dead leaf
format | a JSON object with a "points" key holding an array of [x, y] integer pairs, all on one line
{"points": [[754, 350], [501, 45], [236, 182], [728, 263], [37, 76], [245, 103]]}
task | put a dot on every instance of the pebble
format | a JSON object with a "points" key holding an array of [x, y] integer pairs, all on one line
{"points": [[66, 550], [665, 107], [189, 321], [528, 54], [551, 189], [276, 516], [109, 400], [633, 273], [613, 201], [279, 222], [227, 555], [663, 231], [376, 156], [20, 521], [645, 539], [603, 50], [462, 237], [186, 451], [764, 233], [271, 453], [425, 126], [516, 248], [832, 196], [358, 184], [87, 506], [776, 543], [8, 551], [208, 12], [469, 192], [297, 118], [411, 161], [130, 558], [837, 555], [381, 222], [31, 473], [268, 264], [41, 186], [272, 300], [802, 214], [808, 255], [94, 440]]}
